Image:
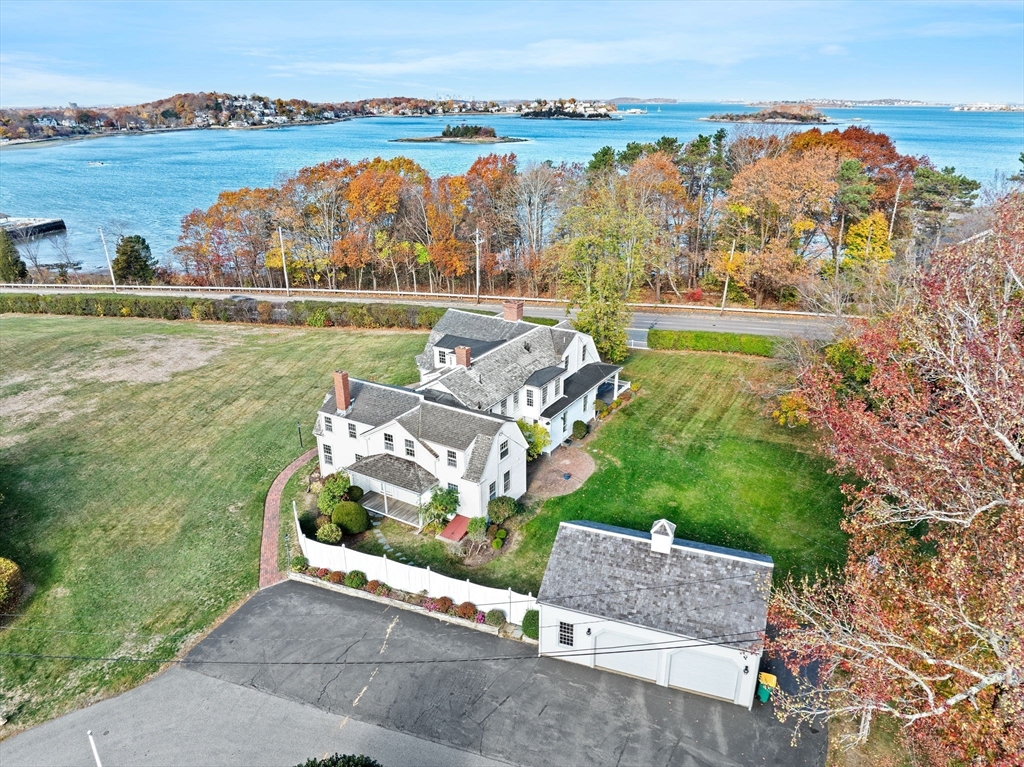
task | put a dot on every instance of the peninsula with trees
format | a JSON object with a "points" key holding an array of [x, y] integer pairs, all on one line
{"points": [[785, 114], [462, 134]]}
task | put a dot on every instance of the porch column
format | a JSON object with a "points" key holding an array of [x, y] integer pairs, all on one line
{"points": [[616, 390], [384, 492]]}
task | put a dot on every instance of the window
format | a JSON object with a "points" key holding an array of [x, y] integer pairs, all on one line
{"points": [[503, 448], [585, 405], [410, 449], [584, 357], [359, 457], [565, 362], [506, 482], [563, 423], [492, 491], [328, 455], [543, 396], [515, 400], [453, 486], [389, 443], [565, 633], [452, 460], [529, 397], [442, 358], [352, 430], [504, 406], [558, 387], [328, 423]]}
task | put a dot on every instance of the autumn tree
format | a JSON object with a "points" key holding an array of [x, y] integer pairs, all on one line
{"points": [[925, 407]]}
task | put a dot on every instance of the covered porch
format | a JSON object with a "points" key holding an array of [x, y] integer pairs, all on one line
{"points": [[611, 388], [393, 487], [393, 508]]}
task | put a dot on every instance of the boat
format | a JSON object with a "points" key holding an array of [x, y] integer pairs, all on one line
{"points": [[636, 111]]}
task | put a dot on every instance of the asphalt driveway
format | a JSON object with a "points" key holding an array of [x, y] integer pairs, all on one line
{"points": [[524, 710]]}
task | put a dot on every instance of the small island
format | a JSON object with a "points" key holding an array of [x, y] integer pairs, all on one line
{"points": [[798, 114], [463, 134], [558, 113]]}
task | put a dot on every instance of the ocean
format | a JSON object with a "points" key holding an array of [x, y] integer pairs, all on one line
{"points": [[144, 184]]}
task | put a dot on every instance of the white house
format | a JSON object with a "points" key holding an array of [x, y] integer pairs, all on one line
{"points": [[478, 375], [673, 612]]}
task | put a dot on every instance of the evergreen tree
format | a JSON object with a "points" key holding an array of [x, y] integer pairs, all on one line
{"points": [[134, 262], [12, 268]]}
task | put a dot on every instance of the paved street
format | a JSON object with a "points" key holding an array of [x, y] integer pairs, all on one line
{"points": [[487, 697]]}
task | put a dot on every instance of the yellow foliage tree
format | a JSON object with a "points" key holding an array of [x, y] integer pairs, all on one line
{"points": [[868, 239]]}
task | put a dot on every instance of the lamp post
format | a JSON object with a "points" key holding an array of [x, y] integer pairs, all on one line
{"points": [[298, 426]]}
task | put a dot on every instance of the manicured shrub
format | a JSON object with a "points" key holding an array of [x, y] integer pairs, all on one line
{"points": [[341, 760], [333, 493], [336, 577], [351, 518], [466, 611], [10, 585], [356, 579], [322, 572], [497, 543], [355, 493], [579, 429], [492, 531], [322, 521], [495, 618], [444, 604], [329, 534], [378, 588], [476, 530], [299, 564], [503, 508], [531, 624], [372, 585], [317, 318], [501, 535]]}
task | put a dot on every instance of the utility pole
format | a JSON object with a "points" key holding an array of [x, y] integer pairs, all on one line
{"points": [[728, 274], [284, 266], [477, 239], [107, 254], [95, 753]]}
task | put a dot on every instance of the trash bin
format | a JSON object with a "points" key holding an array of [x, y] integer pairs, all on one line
{"points": [[763, 692]]}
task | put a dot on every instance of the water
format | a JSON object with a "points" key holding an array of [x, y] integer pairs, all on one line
{"points": [[147, 183]]}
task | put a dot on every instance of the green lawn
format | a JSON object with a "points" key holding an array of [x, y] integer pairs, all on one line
{"points": [[694, 448], [135, 456]]}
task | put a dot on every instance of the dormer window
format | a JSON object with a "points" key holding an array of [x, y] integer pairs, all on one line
{"points": [[543, 396], [565, 362], [504, 406], [442, 358], [529, 397]]}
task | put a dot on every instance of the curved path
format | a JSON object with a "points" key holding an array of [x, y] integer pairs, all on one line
{"points": [[269, 572]]}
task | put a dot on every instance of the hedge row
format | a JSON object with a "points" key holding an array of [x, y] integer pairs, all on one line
{"points": [[314, 313], [707, 341]]}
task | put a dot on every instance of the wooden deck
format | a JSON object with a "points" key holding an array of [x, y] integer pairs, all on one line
{"points": [[395, 509]]}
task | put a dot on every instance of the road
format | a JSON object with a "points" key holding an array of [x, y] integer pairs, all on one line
{"points": [[482, 699], [767, 323]]}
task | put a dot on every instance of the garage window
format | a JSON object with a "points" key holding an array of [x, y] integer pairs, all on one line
{"points": [[565, 633]]}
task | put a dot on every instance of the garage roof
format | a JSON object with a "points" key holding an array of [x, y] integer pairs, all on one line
{"points": [[696, 590]]}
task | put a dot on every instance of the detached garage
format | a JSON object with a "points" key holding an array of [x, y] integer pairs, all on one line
{"points": [[655, 607]]}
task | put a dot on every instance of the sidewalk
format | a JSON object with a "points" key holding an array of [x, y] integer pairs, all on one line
{"points": [[269, 571]]}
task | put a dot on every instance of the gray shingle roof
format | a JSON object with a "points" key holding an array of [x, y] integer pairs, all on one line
{"points": [[395, 471], [697, 590], [476, 346], [502, 371], [448, 426], [476, 462], [542, 376], [481, 327], [373, 403], [576, 385]]}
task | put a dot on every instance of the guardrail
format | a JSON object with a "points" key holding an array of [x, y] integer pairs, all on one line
{"points": [[347, 293]]}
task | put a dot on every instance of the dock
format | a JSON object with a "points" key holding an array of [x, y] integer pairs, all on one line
{"points": [[27, 228]]}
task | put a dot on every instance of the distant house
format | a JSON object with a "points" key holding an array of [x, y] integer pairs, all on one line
{"points": [[652, 606], [457, 429]]}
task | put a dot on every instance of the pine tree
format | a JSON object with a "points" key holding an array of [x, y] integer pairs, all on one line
{"points": [[134, 262], [12, 268]]}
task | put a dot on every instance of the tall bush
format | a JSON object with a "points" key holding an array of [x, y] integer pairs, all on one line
{"points": [[502, 508], [351, 518], [531, 624], [333, 493]]}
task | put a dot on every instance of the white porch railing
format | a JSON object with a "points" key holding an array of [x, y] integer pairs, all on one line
{"points": [[415, 580]]}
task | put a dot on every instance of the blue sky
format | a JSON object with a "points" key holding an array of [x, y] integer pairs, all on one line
{"points": [[121, 53]]}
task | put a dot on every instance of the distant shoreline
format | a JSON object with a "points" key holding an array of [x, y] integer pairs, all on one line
{"points": [[456, 140]]}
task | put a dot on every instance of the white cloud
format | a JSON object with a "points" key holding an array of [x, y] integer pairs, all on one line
{"points": [[31, 85], [833, 50]]}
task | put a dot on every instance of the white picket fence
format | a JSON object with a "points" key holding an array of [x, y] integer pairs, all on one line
{"points": [[415, 580]]}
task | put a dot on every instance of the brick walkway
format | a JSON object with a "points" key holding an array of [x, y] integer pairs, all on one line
{"points": [[269, 572]]}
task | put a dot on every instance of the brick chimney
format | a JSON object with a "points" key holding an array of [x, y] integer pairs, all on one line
{"points": [[513, 310], [462, 356], [341, 390]]}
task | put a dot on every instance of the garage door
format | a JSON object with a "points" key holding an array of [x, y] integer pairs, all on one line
{"points": [[703, 673], [642, 664]]}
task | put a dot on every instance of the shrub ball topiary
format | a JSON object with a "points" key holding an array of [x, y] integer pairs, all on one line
{"points": [[341, 760], [351, 518], [502, 534], [299, 564], [336, 577], [444, 604], [322, 521], [329, 534], [356, 579], [497, 543], [355, 493], [502, 508], [10, 585], [466, 611], [579, 429], [531, 624], [335, 487], [495, 618]]}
